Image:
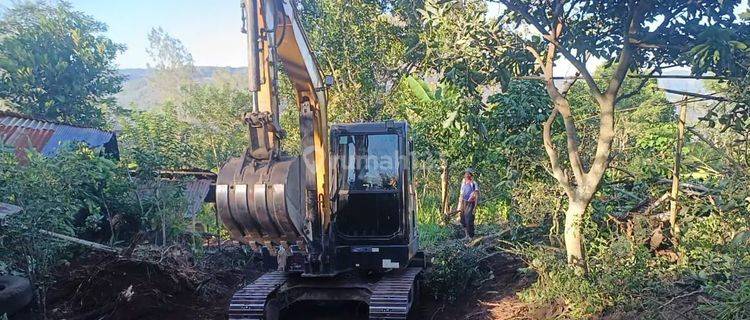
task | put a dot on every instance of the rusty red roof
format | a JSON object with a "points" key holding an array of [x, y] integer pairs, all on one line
{"points": [[23, 133]]}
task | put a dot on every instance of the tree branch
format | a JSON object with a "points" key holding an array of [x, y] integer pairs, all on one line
{"points": [[537, 57], [549, 147], [607, 103], [731, 160], [626, 55], [647, 45], [638, 89], [569, 84], [571, 134], [580, 66], [563, 107]]}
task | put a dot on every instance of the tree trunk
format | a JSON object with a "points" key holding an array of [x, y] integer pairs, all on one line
{"points": [[444, 183], [674, 204], [573, 237], [163, 230]]}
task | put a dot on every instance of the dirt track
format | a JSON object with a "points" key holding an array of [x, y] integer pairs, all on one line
{"points": [[494, 299]]}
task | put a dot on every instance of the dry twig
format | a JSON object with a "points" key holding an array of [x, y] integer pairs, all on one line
{"points": [[681, 296]]}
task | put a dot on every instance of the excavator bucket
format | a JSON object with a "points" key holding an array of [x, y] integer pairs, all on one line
{"points": [[260, 204]]}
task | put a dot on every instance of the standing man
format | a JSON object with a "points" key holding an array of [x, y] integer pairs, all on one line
{"points": [[467, 202]]}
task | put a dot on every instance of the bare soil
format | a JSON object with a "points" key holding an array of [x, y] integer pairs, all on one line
{"points": [[167, 284], [152, 284]]}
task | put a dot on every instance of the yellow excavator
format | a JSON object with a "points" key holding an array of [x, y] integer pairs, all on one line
{"points": [[337, 223]]}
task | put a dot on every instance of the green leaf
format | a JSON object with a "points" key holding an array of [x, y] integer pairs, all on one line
{"points": [[739, 45], [450, 120], [420, 89]]}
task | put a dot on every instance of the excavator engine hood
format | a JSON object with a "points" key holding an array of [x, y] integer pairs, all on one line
{"points": [[260, 202]]}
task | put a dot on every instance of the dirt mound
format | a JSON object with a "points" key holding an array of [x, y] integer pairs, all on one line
{"points": [[152, 284], [157, 283]]}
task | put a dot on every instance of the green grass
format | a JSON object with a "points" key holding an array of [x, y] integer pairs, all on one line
{"points": [[431, 234]]}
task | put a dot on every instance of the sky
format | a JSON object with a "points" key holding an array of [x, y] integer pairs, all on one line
{"points": [[209, 29]]}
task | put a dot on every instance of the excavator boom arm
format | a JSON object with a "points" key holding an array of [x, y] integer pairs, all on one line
{"points": [[265, 197]]}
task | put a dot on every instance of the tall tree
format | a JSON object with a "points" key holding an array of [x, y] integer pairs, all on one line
{"points": [[157, 139], [468, 54], [466, 49], [55, 63], [366, 45], [632, 35], [202, 131], [215, 113], [172, 65], [438, 133]]}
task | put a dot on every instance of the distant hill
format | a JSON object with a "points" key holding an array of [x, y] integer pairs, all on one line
{"points": [[696, 110], [138, 94], [687, 85]]}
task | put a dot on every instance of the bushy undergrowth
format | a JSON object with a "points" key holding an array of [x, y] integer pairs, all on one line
{"points": [[455, 269], [611, 282], [433, 234], [731, 300], [627, 272], [78, 193], [50, 192]]}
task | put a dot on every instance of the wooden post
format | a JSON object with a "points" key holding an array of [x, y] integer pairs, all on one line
{"points": [[674, 204], [444, 183], [163, 229]]}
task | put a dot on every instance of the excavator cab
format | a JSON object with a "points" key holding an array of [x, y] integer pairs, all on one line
{"points": [[374, 222]]}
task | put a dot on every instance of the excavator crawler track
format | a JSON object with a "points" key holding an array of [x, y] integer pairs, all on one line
{"points": [[394, 295], [249, 303]]}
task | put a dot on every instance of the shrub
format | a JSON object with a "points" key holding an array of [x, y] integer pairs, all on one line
{"points": [[46, 189], [455, 269], [620, 276], [556, 283], [731, 301], [81, 194]]}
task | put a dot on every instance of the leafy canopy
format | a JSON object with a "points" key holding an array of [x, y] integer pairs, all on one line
{"points": [[366, 46], [172, 66], [56, 64], [204, 130], [705, 35], [733, 115], [466, 49]]}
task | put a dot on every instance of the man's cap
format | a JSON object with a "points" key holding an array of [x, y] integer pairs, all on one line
{"points": [[469, 170]]}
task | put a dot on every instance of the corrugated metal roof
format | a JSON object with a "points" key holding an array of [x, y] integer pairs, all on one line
{"points": [[46, 137], [7, 210], [64, 134], [195, 193], [25, 133]]}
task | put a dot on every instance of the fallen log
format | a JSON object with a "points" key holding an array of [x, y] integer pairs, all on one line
{"points": [[92, 245], [687, 186], [656, 203], [7, 209]]}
